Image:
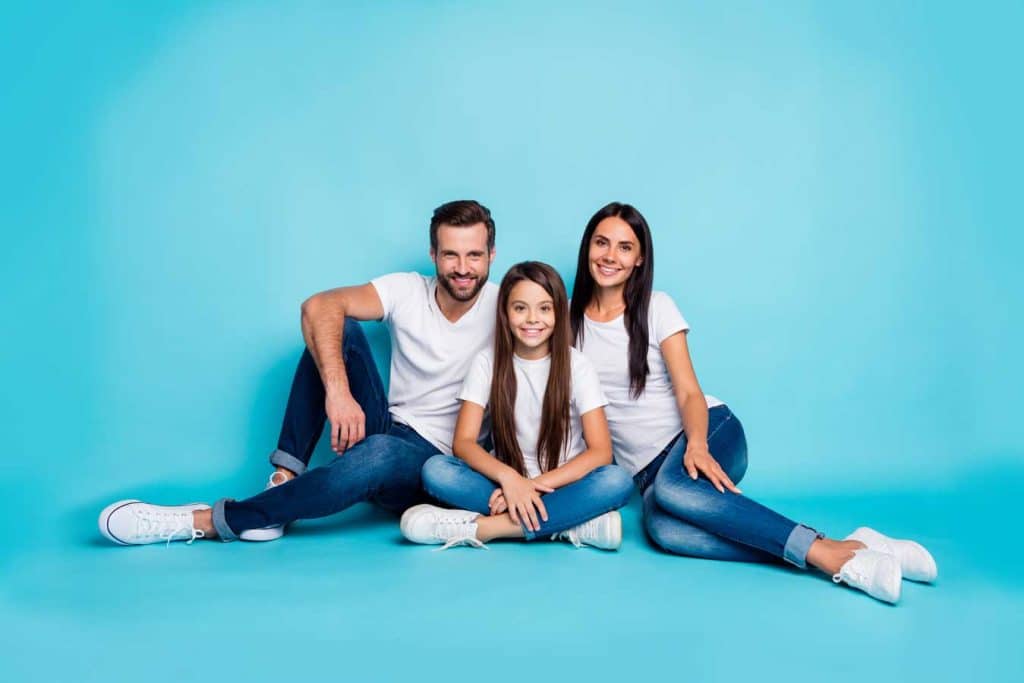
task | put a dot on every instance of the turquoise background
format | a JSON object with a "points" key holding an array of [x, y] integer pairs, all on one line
{"points": [[834, 190]]}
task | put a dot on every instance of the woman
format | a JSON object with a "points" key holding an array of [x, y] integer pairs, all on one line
{"points": [[551, 473], [686, 451]]}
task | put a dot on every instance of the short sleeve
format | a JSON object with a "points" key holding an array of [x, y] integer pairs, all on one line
{"points": [[476, 388], [394, 288], [586, 387], [666, 319]]}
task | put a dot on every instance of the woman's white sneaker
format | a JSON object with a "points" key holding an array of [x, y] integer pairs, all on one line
{"points": [[132, 522], [877, 574], [604, 532], [274, 531], [916, 563], [430, 524]]}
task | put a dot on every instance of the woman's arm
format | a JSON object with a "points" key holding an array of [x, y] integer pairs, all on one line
{"points": [[598, 453], [694, 411]]}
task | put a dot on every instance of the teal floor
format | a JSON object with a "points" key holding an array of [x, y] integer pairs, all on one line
{"points": [[346, 599]]}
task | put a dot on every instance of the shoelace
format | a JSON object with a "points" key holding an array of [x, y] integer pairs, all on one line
{"points": [[456, 531], [851, 572], [569, 535], [165, 525]]}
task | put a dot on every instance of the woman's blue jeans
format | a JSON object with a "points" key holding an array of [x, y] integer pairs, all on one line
{"points": [[452, 481], [691, 517]]}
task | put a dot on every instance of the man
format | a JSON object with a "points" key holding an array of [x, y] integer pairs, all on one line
{"points": [[437, 325]]}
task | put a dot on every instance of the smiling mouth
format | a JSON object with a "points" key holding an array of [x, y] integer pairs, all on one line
{"points": [[530, 332], [605, 270], [461, 281]]}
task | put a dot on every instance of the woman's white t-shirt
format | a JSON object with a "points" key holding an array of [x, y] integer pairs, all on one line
{"points": [[531, 383], [643, 426]]}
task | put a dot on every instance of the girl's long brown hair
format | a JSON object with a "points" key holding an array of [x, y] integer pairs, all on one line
{"points": [[554, 424]]}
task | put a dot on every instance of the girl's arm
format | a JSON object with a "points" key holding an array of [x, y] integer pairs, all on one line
{"points": [[694, 411], [598, 453]]}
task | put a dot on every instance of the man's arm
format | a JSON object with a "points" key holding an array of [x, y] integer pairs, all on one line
{"points": [[323, 319]]}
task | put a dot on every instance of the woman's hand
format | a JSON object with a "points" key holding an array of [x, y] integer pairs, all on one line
{"points": [[697, 458], [522, 497]]}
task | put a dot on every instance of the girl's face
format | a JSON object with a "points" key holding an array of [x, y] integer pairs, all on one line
{"points": [[531, 315], [614, 252]]}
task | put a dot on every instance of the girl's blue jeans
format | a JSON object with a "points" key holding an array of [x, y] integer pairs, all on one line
{"points": [[452, 481], [691, 517]]}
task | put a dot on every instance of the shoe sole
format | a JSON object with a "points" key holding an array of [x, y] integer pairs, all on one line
{"points": [[616, 522], [104, 519], [267, 533]]}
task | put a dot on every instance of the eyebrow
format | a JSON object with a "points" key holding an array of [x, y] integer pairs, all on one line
{"points": [[520, 301], [452, 252], [598, 234]]}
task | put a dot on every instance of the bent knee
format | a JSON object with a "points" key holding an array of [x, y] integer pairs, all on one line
{"points": [[439, 470], [614, 482]]}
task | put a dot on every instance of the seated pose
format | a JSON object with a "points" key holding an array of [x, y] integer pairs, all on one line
{"points": [[436, 323], [687, 451], [551, 474]]}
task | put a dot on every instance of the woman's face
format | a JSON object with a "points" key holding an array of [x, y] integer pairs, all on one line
{"points": [[531, 315], [614, 252]]}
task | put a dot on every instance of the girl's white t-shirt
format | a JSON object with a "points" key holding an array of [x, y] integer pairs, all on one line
{"points": [[430, 354], [531, 383], [643, 426]]}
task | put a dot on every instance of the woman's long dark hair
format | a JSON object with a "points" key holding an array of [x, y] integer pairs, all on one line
{"points": [[554, 423], [637, 293]]}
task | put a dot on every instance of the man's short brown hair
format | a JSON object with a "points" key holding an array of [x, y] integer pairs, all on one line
{"points": [[462, 212]]}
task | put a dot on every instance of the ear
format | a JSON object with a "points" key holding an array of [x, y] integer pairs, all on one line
{"points": [[493, 254], [433, 254]]}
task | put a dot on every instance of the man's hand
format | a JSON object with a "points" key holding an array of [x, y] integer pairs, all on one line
{"points": [[348, 422], [699, 459]]}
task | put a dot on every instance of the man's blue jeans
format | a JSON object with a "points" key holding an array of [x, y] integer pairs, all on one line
{"points": [[451, 480], [383, 468], [691, 517]]}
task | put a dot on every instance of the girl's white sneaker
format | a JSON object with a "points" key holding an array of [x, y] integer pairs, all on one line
{"points": [[877, 574], [435, 525], [916, 563], [132, 522], [603, 531]]}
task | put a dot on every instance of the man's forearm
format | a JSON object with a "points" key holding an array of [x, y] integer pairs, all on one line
{"points": [[322, 330]]}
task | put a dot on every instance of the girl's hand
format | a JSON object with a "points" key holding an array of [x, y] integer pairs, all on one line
{"points": [[699, 459], [522, 496], [497, 502]]}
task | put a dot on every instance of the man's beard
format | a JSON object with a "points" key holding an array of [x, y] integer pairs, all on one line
{"points": [[459, 296]]}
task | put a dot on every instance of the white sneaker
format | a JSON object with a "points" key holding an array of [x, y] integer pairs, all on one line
{"points": [[877, 574], [274, 531], [604, 532], [431, 524], [132, 522], [916, 563]]}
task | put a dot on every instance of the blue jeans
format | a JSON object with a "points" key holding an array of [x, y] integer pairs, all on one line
{"points": [[452, 481], [384, 468], [691, 517]]}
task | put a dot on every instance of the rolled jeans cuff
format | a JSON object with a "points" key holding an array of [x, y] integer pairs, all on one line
{"points": [[797, 545], [220, 523], [285, 459]]}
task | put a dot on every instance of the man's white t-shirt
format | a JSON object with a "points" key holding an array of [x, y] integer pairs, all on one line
{"points": [[643, 426], [430, 355], [531, 383]]}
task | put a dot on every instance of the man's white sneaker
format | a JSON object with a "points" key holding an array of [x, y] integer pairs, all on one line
{"points": [[877, 574], [916, 563], [604, 532], [274, 531], [433, 525], [132, 522]]}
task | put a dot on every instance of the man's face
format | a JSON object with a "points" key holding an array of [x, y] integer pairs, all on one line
{"points": [[462, 259]]}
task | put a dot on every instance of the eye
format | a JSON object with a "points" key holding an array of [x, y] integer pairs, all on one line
{"points": [[627, 247]]}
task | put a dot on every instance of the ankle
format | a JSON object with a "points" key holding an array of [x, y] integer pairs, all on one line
{"points": [[285, 475], [202, 520]]}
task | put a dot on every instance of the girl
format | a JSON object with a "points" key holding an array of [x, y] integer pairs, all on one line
{"points": [[687, 451], [551, 473]]}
